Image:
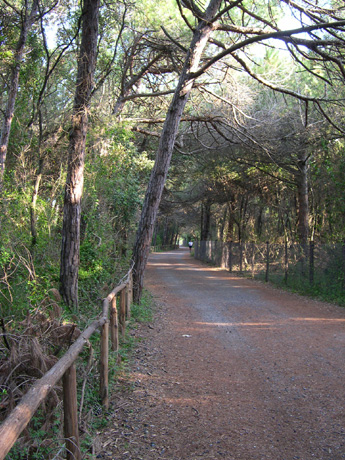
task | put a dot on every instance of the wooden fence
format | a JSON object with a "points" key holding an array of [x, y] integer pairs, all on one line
{"points": [[65, 369]]}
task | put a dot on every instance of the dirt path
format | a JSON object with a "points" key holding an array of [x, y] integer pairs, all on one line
{"points": [[231, 369]]}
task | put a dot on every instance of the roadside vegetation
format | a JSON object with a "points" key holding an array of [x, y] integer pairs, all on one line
{"points": [[44, 437]]}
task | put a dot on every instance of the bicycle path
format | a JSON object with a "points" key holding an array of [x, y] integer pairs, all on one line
{"points": [[232, 369]]}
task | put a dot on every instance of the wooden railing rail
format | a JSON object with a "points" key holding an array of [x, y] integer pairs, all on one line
{"points": [[65, 369]]}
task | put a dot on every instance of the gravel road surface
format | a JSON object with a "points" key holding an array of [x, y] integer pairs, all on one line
{"points": [[230, 369]]}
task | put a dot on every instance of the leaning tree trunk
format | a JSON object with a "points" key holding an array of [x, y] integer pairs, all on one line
{"points": [[27, 21], [166, 145], [70, 247]]}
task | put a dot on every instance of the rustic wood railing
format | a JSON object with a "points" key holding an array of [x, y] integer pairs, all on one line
{"points": [[65, 369]]}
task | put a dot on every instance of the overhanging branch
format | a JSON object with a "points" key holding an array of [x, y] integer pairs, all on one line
{"points": [[266, 36]]}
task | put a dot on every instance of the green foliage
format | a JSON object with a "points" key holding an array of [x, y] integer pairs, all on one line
{"points": [[143, 313], [26, 272], [41, 447], [113, 193], [153, 15], [328, 172]]}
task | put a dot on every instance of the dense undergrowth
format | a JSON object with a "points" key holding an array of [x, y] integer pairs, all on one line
{"points": [[44, 439]]}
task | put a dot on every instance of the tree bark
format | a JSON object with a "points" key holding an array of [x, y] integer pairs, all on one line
{"points": [[303, 200], [222, 223], [231, 219], [160, 170], [70, 247], [206, 221], [165, 232], [27, 21]]}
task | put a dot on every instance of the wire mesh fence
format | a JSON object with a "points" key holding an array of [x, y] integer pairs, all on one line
{"points": [[313, 268]]}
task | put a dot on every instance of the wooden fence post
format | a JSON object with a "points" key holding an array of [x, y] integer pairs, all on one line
{"points": [[128, 301], [114, 325], [123, 312], [71, 429], [267, 260], [104, 365], [131, 288]]}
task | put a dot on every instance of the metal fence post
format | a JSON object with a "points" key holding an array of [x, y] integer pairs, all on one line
{"points": [[267, 260], [286, 265], [230, 256], [311, 263], [343, 257], [241, 256], [253, 259]]}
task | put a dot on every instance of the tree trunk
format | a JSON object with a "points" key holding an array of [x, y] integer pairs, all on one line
{"points": [[303, 202], [222, 224], [166, 145], [172, 234], [165, 232], [69, 265], [176, 237], [27, 21], [231, 219], [155, 235], [206, 221], [242, 218]]}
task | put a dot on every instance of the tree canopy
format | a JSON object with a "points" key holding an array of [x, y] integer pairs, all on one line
{"points": [[235, 108]]}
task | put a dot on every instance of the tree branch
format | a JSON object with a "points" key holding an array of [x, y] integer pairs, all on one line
{"points": [[190, 5], [271, 85], [175, 42], [258, 18], [108, 68], [145, 95], [259, 38], [12, 7], [226, 9], [183, 16]]}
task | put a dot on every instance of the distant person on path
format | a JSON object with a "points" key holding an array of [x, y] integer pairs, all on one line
{"points": [[190, 244]]}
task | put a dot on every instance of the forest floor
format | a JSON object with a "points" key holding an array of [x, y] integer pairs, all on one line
{"points": [[229, 369]]}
